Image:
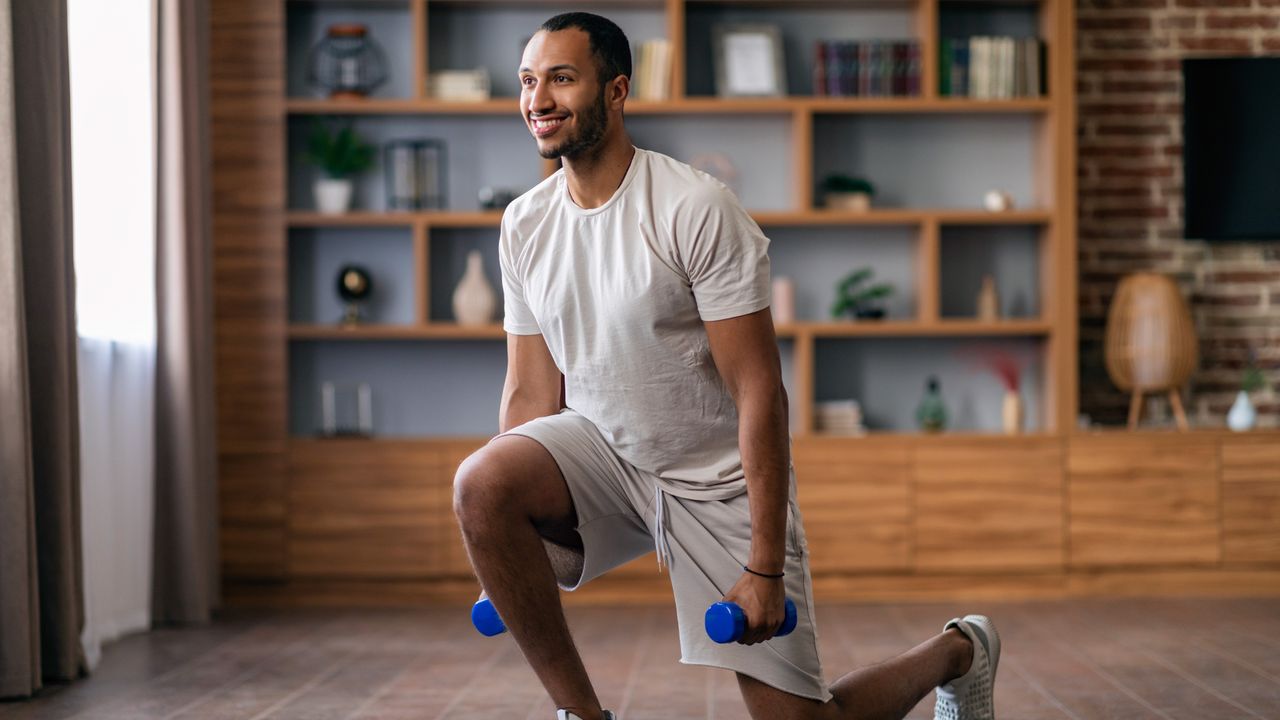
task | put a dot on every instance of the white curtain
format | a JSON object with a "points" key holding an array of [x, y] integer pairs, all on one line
{"points": [[113, 189], [116, 488]]}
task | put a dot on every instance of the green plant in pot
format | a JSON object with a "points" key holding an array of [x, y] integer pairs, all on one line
{"points": [[335, 149], [843, 192], [856, 297], [1242, 414]]}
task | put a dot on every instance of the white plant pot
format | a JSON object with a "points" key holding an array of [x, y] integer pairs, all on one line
{"points": [[1242, 414], [333, 195], [848, 201]]}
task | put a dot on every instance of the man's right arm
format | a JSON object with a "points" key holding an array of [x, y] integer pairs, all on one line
{"points": [[533, 385]]}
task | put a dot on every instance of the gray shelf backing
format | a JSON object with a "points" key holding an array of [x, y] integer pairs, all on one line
{"points": [[419, 388], [817, 259], [479, 151], [759, 147], [800, 27], [887, 377], [1010, 253], [964, 19], [464, 38], [915, 161], [316, 254], [389, 26], [449, 248]]}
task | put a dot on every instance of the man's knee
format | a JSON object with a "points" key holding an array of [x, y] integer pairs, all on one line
{"points": [[511, 478], [480, 489]]}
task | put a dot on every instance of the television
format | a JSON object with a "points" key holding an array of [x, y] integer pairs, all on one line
{"points": [[1231, 148]]}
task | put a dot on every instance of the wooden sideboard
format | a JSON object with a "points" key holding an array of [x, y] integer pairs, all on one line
{"points": [[887, 518]]}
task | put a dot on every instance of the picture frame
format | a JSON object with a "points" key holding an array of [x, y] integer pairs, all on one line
{"points": [[749, 61]]}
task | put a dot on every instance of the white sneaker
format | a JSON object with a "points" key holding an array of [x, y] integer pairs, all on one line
{"points": [[566, 715], [968, 697]]}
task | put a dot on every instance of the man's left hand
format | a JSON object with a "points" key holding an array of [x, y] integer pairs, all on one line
{"points": [[762, 601]]}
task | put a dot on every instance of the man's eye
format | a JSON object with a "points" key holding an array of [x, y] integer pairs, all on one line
{"points": [[562, 77]]}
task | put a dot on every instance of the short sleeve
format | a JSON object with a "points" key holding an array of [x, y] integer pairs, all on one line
{"points": [[725, 256], [517, 319]]}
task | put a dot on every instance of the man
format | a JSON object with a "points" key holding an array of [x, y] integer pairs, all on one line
{"points": [[637, 294]]}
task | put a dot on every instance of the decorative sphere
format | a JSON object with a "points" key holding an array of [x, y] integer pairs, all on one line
{"points": [[354, 283]]}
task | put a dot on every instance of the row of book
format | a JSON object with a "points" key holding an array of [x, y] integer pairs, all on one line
{"points": [[988, 67], [653, 75], [876, 68]]}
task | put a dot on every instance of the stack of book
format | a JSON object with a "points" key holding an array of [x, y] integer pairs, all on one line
{"points": [[653, 76], [839, 417], [992, 68], [867, 68]]}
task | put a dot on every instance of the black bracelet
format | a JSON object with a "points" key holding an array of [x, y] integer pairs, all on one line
{"points": [[763, 575]]}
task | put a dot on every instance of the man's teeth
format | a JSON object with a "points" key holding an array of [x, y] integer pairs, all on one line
{"points": [[540, 124]]}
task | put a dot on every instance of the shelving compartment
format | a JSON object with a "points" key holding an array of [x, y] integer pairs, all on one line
{"points": [[887, 376], [801, 25], [1011, 254], [448, 251], [818, 258], [932, 161], [389, 25], [317, 254], [491, 150]]}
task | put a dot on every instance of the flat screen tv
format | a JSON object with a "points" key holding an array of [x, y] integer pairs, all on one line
{"points": [[1231, 148]]}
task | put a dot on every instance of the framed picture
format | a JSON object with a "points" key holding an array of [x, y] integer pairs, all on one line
{"points": [[749, 61]]}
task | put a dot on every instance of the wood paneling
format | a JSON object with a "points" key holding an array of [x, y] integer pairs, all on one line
{"points": [[989, 504], [1251, 499], [1143, 500], [855, 501]]}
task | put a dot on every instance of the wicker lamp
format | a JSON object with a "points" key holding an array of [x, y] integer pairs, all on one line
{"points": [[1150, 344]]}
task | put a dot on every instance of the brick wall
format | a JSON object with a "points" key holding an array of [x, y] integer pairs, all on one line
{"points": [[1130, 185]]}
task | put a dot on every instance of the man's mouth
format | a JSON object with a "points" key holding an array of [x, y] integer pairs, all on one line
{"points": [[546, 126]]}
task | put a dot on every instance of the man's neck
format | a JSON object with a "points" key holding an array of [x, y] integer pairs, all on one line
{"points": [[593, 180]]}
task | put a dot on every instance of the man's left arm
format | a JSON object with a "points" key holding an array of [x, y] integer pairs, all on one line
{"points": [[745, 352]]}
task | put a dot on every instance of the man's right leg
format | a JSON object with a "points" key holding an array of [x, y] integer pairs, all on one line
{"points": [[507, 496]]}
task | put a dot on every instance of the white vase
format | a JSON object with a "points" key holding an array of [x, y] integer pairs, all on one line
{"points": [[784, 301], [474, 299], [333, 195], [1242, 416], [1011, 413]]}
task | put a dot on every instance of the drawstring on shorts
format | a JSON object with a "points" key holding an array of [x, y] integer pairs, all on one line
{"points": [[660, 545]]}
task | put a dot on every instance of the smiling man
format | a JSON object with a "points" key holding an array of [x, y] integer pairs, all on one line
{"points": [[644, 409]]}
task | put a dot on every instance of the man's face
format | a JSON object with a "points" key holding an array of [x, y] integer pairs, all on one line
{"points": [[561, 98]]}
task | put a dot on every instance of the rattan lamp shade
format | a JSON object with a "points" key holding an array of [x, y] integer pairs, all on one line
{"points": [[1150, 343]]}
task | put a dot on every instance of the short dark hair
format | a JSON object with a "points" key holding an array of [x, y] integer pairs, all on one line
{"points": [[609, 44]]}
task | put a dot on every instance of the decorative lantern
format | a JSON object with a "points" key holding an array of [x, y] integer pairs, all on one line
{"points": [[347, 63], [1150, 343], [415, 174]]}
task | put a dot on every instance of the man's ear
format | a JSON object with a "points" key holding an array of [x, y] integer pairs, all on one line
{"points": [[619, 90]]}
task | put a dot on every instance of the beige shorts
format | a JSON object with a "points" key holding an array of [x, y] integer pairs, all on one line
{"points": [[706, 543]]}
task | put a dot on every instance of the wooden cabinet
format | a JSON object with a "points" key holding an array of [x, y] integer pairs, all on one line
{"points": [[1251, 500], [1143, 500], [989, 505]]}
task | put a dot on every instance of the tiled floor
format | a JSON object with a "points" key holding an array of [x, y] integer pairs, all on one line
{"points": [[1124, 659]]}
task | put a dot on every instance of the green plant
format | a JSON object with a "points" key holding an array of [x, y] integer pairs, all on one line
{"points": [[853, 295], [847, 184], [334, 147], [1253, 379]]}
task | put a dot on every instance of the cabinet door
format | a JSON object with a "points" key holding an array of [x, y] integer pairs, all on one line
{"points": [[1251, 499], [366, 509], [988, 504], [855, 501], [1143, 499]]}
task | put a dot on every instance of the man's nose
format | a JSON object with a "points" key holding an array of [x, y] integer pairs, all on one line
{"points": [[541, 101]]}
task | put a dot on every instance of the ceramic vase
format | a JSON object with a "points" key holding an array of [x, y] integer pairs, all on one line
{"points": [[988, 300], [784, 301], [474, 299], [1011, 413], [1242, 414], [333, 195]]}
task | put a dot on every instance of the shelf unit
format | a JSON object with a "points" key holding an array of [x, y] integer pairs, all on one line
{"points": [[1049, 224]]}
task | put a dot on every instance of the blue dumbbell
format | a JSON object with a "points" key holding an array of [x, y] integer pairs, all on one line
{"points": [[485, 617], [725, 621]]}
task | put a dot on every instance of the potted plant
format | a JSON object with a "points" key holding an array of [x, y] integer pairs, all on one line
{"points": [[339, 153], [842, 192], [1242, 415], [854, 297]]}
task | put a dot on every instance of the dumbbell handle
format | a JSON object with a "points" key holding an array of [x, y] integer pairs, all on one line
{"points": [[725, 621]]}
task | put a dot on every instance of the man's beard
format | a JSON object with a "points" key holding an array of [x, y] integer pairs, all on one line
{"points": [[590, 132]]}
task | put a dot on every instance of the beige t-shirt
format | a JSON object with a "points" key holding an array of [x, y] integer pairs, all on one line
{"points": [[620, 293]]}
